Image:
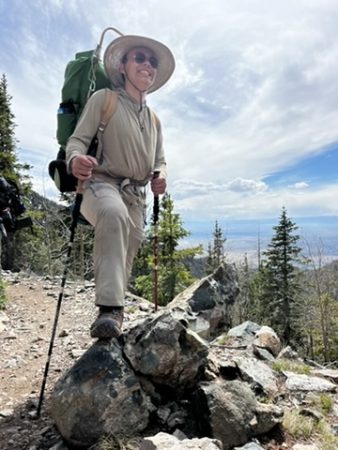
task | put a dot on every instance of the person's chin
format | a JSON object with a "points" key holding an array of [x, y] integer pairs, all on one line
{"points": [[145, 84]]}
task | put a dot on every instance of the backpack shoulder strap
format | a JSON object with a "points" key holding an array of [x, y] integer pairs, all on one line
{"points": [[155, 120], [108, 110]]}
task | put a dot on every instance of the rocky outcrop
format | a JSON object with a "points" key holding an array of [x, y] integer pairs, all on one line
{"points": [[174, 378]]}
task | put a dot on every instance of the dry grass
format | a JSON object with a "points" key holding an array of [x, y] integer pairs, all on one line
{"points": [[283, 365], [298, 426], [322, 402], [305, 428], [117, 443]]}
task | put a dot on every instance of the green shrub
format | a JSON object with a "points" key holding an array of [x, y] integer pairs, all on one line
{"points": [[325, 403], [322, 402]]}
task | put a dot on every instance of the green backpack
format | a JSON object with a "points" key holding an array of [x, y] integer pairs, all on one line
{"points": [[74, 92], [83, 76]]}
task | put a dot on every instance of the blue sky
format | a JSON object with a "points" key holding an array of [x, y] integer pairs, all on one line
{"points": [[249, 117]]}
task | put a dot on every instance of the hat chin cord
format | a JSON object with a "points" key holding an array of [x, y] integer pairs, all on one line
{"points": [[141, 92]]}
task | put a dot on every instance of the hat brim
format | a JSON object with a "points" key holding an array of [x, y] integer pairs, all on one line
{"points": [[118, 48]]}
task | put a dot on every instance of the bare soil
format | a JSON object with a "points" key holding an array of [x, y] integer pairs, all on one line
{"points": [[25, 333]]}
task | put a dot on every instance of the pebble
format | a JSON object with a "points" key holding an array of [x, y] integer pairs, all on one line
{"points": [[6, 412]]}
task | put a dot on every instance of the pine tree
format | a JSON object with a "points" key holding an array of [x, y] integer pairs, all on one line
{"points": [[8, 160], [174, 276], [12, 170], [280, 277], [216, 253], [10, 167]]}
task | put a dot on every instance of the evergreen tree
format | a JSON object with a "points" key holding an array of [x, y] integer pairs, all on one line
{"points": [[11, 169], [242, 308], [8, 159], [216, 254], [173, 274], [280, 277]]}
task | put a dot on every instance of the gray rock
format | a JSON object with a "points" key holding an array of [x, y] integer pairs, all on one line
{"points": [[268, 339], [166, 351], [250, 446], [332, 374], [205, 304], [59, 446], [231, 413], [301, 382], [99, 395], [287, 353], [305, 447], [164, 441], [262, 353], [334, 429], [257, 372], [6, 412], [246, 329], [4, 321]]}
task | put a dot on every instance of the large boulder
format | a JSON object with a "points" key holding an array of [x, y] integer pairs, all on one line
{"points": [[99, 395], [229, 411], [205, 304], [267, 338], [165, 351]]}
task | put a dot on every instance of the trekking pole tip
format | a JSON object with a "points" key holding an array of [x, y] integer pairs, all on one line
{"points": [[34, 415]]}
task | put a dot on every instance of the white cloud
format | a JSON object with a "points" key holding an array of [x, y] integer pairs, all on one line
{"points": [[242, 185], [300, 185], [222, 203], [255, 91]]}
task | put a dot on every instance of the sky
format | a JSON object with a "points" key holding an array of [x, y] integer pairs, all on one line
{"points": [[249, 117]]}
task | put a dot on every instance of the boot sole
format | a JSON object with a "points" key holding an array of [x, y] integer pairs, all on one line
{"points": [[105, 330]]}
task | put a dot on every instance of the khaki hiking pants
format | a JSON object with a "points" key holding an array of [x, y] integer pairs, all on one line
{"points": [[117, 214]]}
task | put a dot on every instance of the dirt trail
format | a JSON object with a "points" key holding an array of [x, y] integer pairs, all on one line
{"points": [[25, 331]]}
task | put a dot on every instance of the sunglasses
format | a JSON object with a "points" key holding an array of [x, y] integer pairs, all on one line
{"points": [[141, 58]]}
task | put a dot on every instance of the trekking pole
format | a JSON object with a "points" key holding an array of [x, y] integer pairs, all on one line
{"points": [[156, 209], [75, 216]]}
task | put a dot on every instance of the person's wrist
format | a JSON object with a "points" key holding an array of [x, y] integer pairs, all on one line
{"points": [[71, 164]]}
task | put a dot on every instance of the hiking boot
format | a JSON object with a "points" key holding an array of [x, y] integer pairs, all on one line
{"points": [[108, 323]]}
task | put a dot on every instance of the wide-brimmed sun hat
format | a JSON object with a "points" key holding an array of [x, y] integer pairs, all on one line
{"points": [[118, 48]]}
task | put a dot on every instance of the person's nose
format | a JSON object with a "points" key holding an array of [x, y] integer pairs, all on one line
{"points": [[147, 63]]}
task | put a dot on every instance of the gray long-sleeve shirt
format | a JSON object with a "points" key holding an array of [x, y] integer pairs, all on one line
{"points": [[131, 143]]}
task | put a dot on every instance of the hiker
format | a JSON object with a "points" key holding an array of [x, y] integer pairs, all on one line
{"points": [[114, 184]]}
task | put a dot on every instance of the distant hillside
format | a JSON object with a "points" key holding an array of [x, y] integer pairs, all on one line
{"points": [[40, 203], [197, 266]]}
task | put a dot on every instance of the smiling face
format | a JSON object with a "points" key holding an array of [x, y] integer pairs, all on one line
{"points": [[139, 68]]}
